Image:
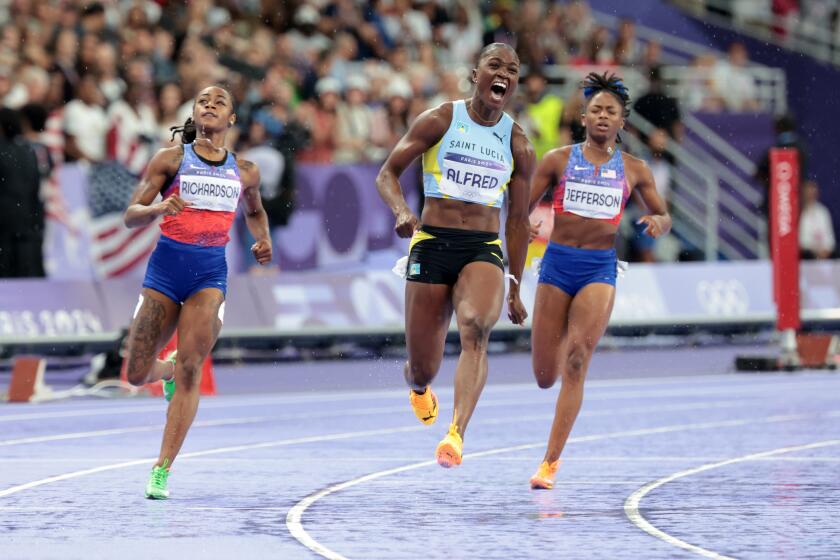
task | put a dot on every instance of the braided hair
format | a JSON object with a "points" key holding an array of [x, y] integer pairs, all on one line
{"points": [[188, 131], [595, 83]]}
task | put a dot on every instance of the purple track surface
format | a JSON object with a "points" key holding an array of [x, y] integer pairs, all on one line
{"points": [[673, 456]]}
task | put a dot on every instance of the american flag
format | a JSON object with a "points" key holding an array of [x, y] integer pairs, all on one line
{"points": [[115, 249]]}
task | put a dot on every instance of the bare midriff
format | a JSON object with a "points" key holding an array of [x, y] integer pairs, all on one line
{"points": [[442, 212]]}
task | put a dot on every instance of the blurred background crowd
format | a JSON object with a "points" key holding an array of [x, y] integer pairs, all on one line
{"points": [[315, 82]]}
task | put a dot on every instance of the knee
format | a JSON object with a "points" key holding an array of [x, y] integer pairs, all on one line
{"points": [[474, 331], [545, 379], [419, 373], [576, 363], [190, 372], [136, 371], [545, 372]]}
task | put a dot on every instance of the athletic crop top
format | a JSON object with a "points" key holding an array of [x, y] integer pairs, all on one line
{"points": [[592, 191], [213, 191], [471, 163]]}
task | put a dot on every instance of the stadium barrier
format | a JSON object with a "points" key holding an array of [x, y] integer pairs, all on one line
{"points": [[50, 316]]}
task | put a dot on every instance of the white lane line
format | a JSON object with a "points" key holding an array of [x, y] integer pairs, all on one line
{"points": [[306, 399], [118, 431], [218, 450], [358, 412], [294, 518], [631, 505], [329, 437]]}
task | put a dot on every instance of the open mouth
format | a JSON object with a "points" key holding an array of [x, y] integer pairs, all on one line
{"points": [[208, 114], [498, 89]]}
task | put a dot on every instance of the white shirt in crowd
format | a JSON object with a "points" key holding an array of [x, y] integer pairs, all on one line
{"points": [[88, 124], [132, 135], [816, 230]]}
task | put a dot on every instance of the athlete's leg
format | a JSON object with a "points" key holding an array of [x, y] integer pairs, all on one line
{"points": [[588, 316], [152, 327], [198, 328], [428, 311], [548, 329], [477, 298]]}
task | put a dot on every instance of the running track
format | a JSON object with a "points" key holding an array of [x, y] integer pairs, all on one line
{"points": [[678, 463]]}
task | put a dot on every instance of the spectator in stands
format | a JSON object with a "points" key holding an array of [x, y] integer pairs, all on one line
{"points": [[169, 101], [579, 24], [626, 47], [573, 131], [355, 126], [85, 122], [21, 209], [32, 85], [392, 120], [646, 248], [734, 83], [463, 34], [108, 73], [132, 137], [596, 50], [33, 124], [319, 118], [543, 113], [816, 229], [658, 108], [449, 88], [651, 56], [702, 94]]}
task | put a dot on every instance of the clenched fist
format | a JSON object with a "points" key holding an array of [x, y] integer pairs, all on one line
{"points": [[171, 206], [262, 251]]}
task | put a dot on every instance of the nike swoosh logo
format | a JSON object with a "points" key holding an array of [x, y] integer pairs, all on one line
{"points": [[579, 168]]}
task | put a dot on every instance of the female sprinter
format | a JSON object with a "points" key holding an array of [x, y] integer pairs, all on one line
{"points": [[473, 153], [186, 278], [576, 287]]}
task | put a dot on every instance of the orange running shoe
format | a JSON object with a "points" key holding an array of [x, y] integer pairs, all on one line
{"points": [[543, 479], [448, 452], [425, 406]]}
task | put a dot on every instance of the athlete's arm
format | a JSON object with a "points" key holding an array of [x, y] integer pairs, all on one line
{"points": [[425, 132], [658, 220], [162, 167], [255, 217], [516, 225], [546, 174]]}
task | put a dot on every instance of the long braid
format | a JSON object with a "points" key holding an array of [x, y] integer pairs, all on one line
{"points": [[187, 131]]}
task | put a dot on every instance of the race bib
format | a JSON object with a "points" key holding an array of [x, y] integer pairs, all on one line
{"points": [[210, 193], [473, 179], [593, 201]]}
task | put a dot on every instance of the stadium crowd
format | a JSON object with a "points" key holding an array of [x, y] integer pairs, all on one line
{"points": [[316, 81]]}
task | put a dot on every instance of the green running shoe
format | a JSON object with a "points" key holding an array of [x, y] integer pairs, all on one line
{"points": [[169, 384], [156, 487]]}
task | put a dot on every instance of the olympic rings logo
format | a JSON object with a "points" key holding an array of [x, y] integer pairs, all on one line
{"points": [[727, 298]]}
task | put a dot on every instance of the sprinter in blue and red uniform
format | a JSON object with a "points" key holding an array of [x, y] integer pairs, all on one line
{"points": [[576, 289], [201, 184]]}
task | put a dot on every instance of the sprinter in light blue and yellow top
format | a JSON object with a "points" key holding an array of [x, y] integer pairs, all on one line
{"points": [[476, 160]]}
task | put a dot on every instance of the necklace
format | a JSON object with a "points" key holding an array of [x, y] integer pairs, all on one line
{"points": [[474, 116], [609, 150]]}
